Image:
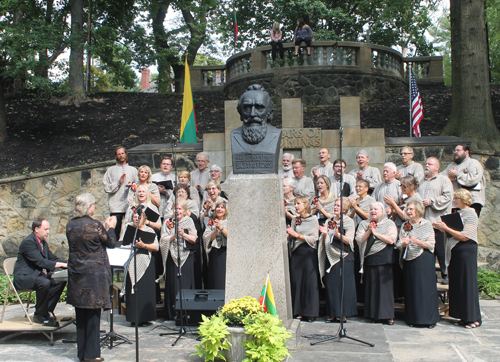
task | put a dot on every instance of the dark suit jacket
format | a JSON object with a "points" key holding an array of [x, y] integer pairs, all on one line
{"points": [[31, 261]]}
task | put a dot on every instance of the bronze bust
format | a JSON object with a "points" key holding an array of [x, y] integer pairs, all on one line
{"points": [[256, 145]]}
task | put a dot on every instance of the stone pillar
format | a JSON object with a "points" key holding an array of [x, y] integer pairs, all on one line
{"points": [[257, 241]]}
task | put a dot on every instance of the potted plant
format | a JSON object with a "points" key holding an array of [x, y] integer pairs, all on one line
{"points": [[242, 331]]}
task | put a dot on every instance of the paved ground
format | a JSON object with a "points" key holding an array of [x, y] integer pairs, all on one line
{"points": [[445, 343]]}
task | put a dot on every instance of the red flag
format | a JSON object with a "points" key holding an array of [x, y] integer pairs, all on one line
{"points": [[417, 111], [235, 26]]}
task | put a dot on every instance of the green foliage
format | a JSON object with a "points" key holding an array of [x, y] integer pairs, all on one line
{"points": [[441, 33], [488, 282], [391, 22], [268, 344], [237, 310], [213, 332]]}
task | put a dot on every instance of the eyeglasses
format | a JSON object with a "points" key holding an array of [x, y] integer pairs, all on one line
{"points": [[456, 198], [403, 186], [405, 153]]}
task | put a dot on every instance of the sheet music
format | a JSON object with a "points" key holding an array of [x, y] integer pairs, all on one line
{"points": [[118, 256]]}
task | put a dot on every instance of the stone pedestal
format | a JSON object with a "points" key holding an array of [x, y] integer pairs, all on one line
{"points": [[257, 242]]}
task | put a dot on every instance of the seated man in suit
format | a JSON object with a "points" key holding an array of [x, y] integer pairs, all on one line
{"points": [[33, 268]]}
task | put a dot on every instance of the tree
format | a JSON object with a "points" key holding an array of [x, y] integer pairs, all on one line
{"points": [[77, 45], [493, 21], [389, 22], [471, 115], [24, 38], [172, 46]]}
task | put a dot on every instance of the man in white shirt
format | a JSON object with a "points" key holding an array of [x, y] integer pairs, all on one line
{"points": [[325, 167], [305, 185], [117, 181], [165, 175], [409, 167], [365, 172], [436, 191], [201, 176], [286, 162], [467, 173]]}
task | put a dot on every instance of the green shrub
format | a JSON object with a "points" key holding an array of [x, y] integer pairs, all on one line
{"points": [[488, 282]]}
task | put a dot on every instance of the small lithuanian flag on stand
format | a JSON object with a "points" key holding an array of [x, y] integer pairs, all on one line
{"points": [[188, 123], [267, 298]]}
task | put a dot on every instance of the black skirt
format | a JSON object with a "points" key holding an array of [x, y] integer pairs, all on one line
{"points": [[172, 282], [379, 295], [421, 298], [217, 268], [145, 295], [463, 292], [333, 290], [304, 280]]}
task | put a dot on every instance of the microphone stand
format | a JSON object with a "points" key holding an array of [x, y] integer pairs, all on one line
{"points": [[182, 330], [342, 332], [134, 247]]}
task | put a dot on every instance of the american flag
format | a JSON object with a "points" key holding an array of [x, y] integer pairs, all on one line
{"points": [[417, 111]]}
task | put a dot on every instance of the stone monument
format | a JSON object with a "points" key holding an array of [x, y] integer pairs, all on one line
{"points": [[256, 222], [256, 145]]}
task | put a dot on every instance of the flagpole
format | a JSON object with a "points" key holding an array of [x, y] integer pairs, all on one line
{"points": [[409, 89], [265, 290]]}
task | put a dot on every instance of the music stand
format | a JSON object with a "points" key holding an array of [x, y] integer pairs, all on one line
{"points": [[117, 259], [342, 332]]}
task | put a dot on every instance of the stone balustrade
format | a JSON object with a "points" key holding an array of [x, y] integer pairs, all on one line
{"points": [[334, 69], [427, 70], [366, 58]]}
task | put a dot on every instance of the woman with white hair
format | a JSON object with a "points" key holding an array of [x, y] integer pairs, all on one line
{"points": [[146, 298], [416, 242], [89, 273], [177, 254], [142, 197], [376, 237]]}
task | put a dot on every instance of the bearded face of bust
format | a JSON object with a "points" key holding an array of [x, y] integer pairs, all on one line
{"points": [[255, 108]]}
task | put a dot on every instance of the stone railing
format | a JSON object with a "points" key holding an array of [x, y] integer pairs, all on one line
{"points": [[426, 69], [365, 58], [208, 77]]}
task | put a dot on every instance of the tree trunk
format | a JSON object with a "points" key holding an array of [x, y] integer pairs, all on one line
{"points": [[471, 113], [3, 114], [76, 82]]}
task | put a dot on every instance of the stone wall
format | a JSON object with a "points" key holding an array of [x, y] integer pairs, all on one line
{"points": [[50, 195], [321, 87]]}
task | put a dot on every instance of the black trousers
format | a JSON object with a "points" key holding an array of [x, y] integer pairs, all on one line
{"points": [[88, 323], [439, 250], [278, 44], [119, 219], [48, 292]]}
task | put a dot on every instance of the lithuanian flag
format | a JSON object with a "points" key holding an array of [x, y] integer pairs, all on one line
{"points": [[267, 298], [188, 123]]}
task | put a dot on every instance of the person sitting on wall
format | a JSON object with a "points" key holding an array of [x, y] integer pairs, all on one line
{"points": [[276, 41], [303, 33]]}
